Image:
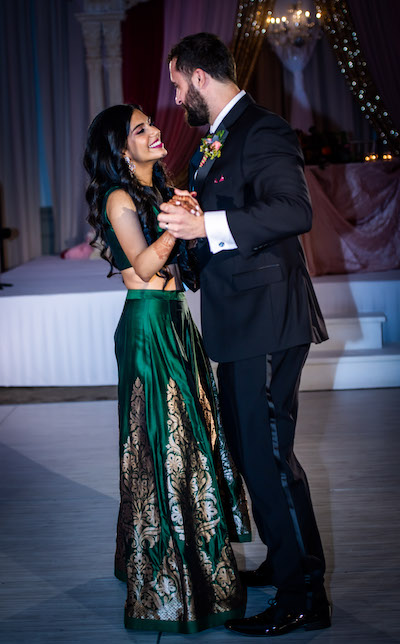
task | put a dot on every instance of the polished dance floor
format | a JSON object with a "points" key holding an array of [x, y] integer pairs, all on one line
{"points": [[59, 502]]}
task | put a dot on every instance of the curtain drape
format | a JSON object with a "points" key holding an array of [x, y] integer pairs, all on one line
{"points": [[181, 19], [356, 223], [342, 35], [63, 94], [142, 48], [267, 84], [377, 24], [44, 119], [248, 37], [334, 107], [19, 174]]}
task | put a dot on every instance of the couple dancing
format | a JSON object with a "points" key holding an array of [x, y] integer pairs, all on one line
{"points": [[235, 235]]}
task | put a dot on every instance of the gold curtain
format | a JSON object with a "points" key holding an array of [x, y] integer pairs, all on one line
{"points": [[248, 37], [339, 28]]}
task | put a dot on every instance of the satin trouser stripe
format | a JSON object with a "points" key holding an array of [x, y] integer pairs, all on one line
{"points": [[278, 458], [259, 403]]}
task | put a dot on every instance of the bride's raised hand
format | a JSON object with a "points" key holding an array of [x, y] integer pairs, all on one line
{"points": [[182, 216], [187, 200]]}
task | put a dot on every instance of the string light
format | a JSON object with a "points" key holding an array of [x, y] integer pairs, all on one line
{"points": [[255, 19], [248, 37], [250, 17], [340, 31], [375, 157]]}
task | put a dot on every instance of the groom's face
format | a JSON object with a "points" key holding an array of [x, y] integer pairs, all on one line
{"points": [[189, 97]]}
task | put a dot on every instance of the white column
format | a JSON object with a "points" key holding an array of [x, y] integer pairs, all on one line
{"points": [[91, 29], [113, 59], [101, 24]]}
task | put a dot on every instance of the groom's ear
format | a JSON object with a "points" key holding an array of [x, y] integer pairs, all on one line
{"points": [[199, 78]]}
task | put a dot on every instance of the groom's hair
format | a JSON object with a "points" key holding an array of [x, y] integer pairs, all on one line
{"points": [[207, 52]]}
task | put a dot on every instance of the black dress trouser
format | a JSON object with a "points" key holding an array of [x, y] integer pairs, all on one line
{"points": [[259, 402]]}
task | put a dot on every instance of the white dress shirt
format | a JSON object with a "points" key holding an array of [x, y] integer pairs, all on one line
{"points": [[217, 230]]}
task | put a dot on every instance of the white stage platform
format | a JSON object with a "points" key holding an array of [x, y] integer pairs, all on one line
{"points": [[58, 319]]}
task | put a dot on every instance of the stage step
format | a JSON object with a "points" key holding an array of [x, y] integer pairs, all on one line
{"points": [[352, 333], [353, 357], [359, 369]]}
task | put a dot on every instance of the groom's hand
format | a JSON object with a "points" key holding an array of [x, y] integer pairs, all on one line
{"points": [[182, 216]]}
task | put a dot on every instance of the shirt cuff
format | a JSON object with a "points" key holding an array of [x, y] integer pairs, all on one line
{"points": [[217, 230]]}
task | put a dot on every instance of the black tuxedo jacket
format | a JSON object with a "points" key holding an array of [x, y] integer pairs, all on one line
{"points": [[259, 298]]}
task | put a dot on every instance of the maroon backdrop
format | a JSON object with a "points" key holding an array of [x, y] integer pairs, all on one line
{"points": [[142, 47]]}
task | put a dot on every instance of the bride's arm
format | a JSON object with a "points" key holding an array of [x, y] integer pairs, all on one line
{"points": [[146, 260]]}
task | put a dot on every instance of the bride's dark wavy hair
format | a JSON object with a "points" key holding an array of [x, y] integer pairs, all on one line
{"points": [[104, 162]]}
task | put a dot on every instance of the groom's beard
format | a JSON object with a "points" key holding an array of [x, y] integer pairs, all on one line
{"points": [[196, 108]]}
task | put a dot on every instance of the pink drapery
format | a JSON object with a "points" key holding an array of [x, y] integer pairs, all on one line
{"points": [[182, 18], [356, 225]]}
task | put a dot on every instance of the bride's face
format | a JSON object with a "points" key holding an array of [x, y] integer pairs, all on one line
{"points": [[144, 143]]}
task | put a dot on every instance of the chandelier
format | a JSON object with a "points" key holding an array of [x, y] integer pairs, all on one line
{"points": [[294, 28]]}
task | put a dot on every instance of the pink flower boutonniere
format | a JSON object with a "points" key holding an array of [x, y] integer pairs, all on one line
{"points": [[211, 147]]}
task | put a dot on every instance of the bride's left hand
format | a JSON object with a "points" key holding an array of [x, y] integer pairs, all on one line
{"points": [[182, 216], [187, 200]]}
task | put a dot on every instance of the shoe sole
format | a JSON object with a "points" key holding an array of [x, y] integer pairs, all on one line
{"points": [[311, 626]]}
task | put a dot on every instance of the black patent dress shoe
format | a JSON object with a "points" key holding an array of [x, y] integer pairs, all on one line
{"points": [[277, 620], [262, 576]]}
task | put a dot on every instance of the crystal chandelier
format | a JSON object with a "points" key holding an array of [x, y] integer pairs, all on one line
{"points": [[295, 28]]}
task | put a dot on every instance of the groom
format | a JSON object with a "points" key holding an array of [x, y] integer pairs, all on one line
{"points": [[259, 314]]}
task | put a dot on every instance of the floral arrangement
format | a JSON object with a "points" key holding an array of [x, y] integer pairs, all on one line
{"points": [[211, 147]]}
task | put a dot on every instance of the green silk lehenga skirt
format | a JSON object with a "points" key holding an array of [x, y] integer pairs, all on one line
{"points": [[182, 500]]}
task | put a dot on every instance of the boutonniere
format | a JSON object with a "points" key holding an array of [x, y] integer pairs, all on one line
{"points": [[211, 147]]}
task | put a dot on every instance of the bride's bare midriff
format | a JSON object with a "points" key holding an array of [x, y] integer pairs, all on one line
{"points": [[133, 281]]}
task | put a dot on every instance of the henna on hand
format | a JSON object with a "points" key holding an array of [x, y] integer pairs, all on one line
{"points": [[187, 202], [164, 245]]}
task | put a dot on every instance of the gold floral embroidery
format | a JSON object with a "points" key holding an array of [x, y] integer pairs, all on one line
{"points": [[160, 584], [165, 597], [191, 493], [222, 577], [230, 483], [208, 415], [153, 591]]}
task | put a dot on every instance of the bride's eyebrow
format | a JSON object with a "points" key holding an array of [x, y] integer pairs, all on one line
{"points": [[148, 122], [136, 126]]}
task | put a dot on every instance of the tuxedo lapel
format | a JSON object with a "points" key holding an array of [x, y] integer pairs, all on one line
{"points": [[205, 169], [193, 165], [197, 183], [237, 110]]}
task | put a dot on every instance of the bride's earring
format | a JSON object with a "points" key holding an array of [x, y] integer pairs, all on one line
{"points": [[130, 165]]}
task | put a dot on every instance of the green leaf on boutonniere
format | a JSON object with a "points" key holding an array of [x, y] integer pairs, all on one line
{"points": [[211, 146]]}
